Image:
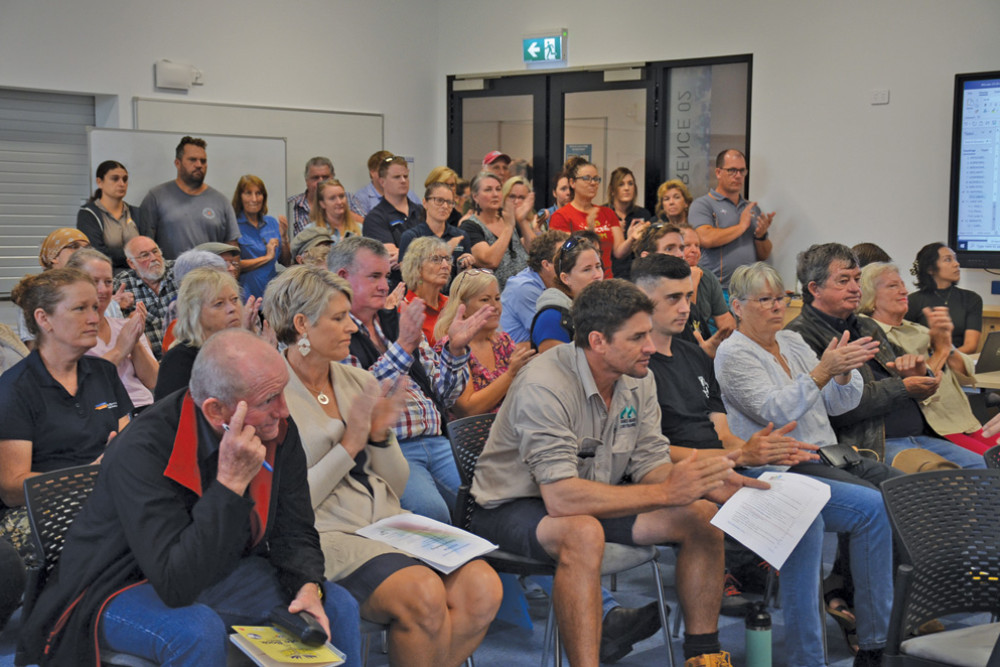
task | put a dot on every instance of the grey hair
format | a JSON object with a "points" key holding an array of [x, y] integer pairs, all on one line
{"points": [[418, 252], [300, 289], [477, 185], [813, 264], [870, 276], [748, 280], [200, 286], [221, 370], [79, 259], [319, 161], [343, 254], [189, 260]]}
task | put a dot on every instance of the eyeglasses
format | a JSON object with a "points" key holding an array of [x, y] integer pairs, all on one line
{"points": [[468, 272], [149, 254], [235, 262], [736, 171], [441, 201], [596, 180], [769, 302], [439, 259]]}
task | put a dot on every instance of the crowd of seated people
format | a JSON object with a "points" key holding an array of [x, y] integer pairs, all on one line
{"points": [[289, 395]]}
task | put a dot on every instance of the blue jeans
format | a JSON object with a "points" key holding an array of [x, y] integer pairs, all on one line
{"points": [[859, 511], [139, 623], [433, 484], [958, 455]]}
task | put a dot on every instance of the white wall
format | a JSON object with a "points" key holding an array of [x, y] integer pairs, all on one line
{"points": [[833, 166], [296, 53]]}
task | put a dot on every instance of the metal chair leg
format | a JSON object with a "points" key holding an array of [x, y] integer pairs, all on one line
{"points": [[664, 613]]}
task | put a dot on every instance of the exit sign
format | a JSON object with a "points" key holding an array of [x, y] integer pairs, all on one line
{"points": [[545, 49]]}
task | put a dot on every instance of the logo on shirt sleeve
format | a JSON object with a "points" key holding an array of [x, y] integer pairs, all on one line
{"points": [[704, 386]]}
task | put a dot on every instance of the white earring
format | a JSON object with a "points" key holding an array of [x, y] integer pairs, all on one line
{"points": [[304, 345]]}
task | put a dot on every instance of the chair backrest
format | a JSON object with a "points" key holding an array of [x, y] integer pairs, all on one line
{"points": [[53, 500], [468, 437], [947, 523], [992, 456]]}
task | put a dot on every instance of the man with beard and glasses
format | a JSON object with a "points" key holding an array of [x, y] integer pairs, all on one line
{"points": [[149, 278], [185, 212]]}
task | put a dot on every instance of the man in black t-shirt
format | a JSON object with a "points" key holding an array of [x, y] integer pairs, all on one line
{"points": [[692, 413]]}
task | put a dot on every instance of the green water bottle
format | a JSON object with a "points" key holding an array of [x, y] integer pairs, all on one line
{"points": [[758, 636]]}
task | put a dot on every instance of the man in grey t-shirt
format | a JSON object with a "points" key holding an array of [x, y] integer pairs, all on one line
{"points": [[184, 212]]}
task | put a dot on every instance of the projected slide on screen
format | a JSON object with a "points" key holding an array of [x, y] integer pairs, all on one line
{"points": [[978, 219]]}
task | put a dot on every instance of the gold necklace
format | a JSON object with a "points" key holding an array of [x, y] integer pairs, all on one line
{"points": [[321, 396]]}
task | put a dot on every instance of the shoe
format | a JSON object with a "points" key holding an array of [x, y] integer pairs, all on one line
{"points": [[868, 658], [754, 576], [846, 620], [733, 602], [624, 627], [720, 659], [929, 628]]}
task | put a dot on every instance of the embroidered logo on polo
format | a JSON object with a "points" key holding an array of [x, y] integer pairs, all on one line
{"points": [[208, 213], [106, 406], [627, 418]]}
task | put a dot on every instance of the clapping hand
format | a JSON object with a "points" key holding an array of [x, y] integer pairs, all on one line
{"points": [[464, 329]]}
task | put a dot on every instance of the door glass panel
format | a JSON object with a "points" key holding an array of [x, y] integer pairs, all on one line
{"points": [[707, 113], [502, 123], [608, 127]]}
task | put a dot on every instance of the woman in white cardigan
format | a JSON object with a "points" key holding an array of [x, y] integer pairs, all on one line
{"points": [[356, 475]]}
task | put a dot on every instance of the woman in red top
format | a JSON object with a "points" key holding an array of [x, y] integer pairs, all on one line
{"points": [[581, 213]]}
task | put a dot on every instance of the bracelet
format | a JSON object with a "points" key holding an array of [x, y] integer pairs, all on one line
{"points": [[761, 238], [813, 378]]}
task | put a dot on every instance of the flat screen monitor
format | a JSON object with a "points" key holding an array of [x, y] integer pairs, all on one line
{"points": [[974, 210]]}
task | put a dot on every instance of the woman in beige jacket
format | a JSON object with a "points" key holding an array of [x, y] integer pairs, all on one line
{"points": [[356, 475]]}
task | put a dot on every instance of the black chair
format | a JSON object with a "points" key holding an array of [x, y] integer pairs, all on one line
{"points": [[947, 527], [468, 437], [992, 456], [53, 500]]}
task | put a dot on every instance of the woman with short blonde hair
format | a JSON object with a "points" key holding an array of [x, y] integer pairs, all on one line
{"points": [[208, 301]]}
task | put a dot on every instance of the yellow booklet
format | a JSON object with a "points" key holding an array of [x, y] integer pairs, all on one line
{"points": [[270, 647]]}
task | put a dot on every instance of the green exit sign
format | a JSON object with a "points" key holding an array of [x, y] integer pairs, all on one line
{"points": [[545, 49]]}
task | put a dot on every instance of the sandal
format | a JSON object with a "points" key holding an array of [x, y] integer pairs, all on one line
{"points": [[847, 622]]}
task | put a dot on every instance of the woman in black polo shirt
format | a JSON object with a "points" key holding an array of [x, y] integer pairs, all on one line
{"points": [[59, 407]]}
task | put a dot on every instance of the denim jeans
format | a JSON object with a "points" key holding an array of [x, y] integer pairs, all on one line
{"points": [[139, 623], [433, 484], [958, 455], [859, 511]]}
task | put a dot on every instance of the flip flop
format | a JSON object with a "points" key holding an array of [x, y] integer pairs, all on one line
{"points": [[847, 622]]}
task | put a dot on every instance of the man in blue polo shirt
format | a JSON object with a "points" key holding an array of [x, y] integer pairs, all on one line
{"points": [[732, 230]]}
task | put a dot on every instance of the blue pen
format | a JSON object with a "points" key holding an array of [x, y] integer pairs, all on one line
{"points": [[264, 464]]}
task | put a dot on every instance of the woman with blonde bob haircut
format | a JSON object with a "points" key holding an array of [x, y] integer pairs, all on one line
{"points": [[426, 271], [208, 301], [494, 359], [673, 199], [357, 474]]}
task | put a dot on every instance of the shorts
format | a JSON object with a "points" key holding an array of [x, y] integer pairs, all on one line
{"points": [[514, 527]]}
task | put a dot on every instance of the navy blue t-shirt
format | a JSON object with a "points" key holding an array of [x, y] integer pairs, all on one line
{"points": [[64, 430]]}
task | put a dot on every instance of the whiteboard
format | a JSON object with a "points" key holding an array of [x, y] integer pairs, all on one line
{"points": [[347, 138], [149, 158]]}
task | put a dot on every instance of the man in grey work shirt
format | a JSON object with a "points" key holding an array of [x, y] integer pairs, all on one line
{"points": [[185, 212], [732, 230], [576, 458]]}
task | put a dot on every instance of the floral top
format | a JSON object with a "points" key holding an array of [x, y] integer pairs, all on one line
{"points": [[481, 376]]}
